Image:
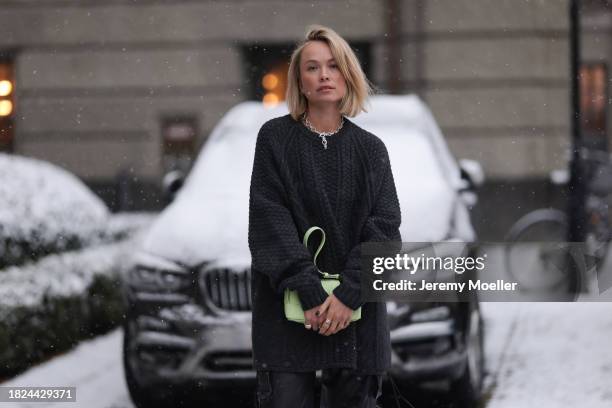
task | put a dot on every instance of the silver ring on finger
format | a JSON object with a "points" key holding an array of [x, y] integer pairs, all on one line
{"points": [[308, 326]]}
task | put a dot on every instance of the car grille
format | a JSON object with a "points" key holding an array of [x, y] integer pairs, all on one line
{"points": [[227, 289]]}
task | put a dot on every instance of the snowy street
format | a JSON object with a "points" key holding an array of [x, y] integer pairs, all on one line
{"points": [[556, 354], [538, 355], [180, 181]]}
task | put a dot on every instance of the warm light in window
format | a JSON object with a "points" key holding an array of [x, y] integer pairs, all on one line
{"points": [[5, 87], [593, 97], [270, 99], [269, 81], [6, 107]]}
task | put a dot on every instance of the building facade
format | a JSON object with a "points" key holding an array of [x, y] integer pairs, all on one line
{"points": [[123, 91]]}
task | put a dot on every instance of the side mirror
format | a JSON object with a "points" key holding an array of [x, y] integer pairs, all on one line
{"points": [[172, 183], [472, 173], [472, 177], [559, 177]]}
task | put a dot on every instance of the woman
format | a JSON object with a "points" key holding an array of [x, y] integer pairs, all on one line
{"points": [[316, 167]]}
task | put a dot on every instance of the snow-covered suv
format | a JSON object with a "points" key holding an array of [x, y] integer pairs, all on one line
{"points": [[189, 292]]}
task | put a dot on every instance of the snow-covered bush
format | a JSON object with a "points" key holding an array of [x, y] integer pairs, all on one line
{"points": [[124, 225], [45, 209], [49, 306], [61, 255]]}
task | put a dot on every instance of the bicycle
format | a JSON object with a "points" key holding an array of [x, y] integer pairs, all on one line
{"points": [[537, 254]]}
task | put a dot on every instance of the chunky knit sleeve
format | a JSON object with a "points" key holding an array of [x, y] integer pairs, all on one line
{"points": [[274, 242], [382, 225]]}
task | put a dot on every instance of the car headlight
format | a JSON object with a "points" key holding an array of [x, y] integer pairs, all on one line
{"points": [[158, 280]]}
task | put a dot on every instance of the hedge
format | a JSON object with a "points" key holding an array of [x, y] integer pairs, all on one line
{"points": [[48, 307]]}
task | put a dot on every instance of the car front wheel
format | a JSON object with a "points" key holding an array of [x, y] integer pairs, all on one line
{"points": [[143, 396]]}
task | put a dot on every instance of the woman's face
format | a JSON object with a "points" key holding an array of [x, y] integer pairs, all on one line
{"points": [[320, 78]]}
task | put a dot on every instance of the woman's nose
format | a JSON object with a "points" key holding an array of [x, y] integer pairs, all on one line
{"points": [[324, 73]]}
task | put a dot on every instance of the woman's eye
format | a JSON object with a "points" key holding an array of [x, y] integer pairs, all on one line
{"points": [[311, 68], [334, 66]]}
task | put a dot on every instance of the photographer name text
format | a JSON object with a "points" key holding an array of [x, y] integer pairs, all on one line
{"points": [[426, 265], [406, 285]]}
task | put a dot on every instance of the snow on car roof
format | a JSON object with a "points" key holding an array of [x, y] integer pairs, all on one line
{"points": [[209, 218], [404, 111]]}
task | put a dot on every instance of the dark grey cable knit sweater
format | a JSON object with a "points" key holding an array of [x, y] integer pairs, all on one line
{"points": [[349, 191]]}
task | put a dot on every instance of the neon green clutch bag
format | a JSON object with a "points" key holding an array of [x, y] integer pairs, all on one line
{"points": [[293, 306]]}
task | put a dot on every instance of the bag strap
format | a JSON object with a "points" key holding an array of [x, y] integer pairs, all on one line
{"points": [[305, 241]]}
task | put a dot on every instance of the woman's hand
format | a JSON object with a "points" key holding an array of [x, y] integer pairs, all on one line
{"points": [[311, 321], [333, 316]]}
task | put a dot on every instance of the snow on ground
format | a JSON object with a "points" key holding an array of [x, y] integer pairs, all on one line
{"points": [[538, 355], [500, 320], [554, 355], [94, 368]]}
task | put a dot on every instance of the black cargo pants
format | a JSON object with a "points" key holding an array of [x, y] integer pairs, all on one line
{"points": [[340, 388]]}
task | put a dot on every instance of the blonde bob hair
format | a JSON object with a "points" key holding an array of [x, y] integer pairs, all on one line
{"points": [[358, 88]]}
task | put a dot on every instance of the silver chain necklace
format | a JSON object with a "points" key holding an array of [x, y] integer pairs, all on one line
{"points": [[322, 135]]}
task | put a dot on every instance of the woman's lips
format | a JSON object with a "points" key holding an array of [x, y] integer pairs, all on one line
{"points": [[325, 89]]}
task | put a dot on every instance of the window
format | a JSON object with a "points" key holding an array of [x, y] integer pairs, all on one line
{"points": [[267, 65], [266, 72], [7, 103], [594, 102], [178, 134]]}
